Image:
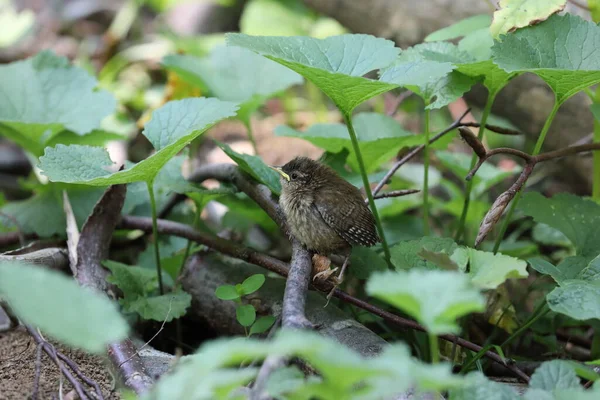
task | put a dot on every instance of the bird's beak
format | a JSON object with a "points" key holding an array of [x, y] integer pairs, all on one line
{"points": [[280, 171]]}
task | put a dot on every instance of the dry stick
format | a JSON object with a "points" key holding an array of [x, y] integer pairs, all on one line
{"points": [[502, 201], [416, 151], [494, 128], [38, 371], [275, 265], [396, 193], [49, 349]]}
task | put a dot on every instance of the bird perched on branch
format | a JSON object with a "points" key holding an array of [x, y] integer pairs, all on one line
{"points": [[327, 214]]}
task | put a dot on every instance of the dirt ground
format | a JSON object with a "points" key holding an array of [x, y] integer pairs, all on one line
{"points": [[18, 353]]}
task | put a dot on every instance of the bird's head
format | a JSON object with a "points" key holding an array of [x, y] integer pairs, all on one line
{"points": [[298, 173]]}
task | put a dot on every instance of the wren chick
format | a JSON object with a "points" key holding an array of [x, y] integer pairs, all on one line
{"points": [[324, 212]]}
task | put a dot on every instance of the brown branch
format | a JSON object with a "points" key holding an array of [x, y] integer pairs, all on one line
{"points": [[417, 150], [494, 128], [282, 268], [396, 193], [296, 288], [502, 201]]}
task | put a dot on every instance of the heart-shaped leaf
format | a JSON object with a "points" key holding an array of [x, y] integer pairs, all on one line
{"points": [[335, 64], [434, 298], [171, 128], [562, 51], [514, 14]]}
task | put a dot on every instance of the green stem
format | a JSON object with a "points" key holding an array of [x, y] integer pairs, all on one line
{"points": [[596, 177], [155, 234], [426, 173], [463, 216], [248, 124], [189, 242], [541, 310], [434, 349], [367, 185], [536, 151]]}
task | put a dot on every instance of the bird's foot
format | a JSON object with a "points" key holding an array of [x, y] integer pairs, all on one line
{"points": [[321, 269], [325, 275]]}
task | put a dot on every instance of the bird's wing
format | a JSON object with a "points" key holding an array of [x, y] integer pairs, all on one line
{"points": [[346, 213]]}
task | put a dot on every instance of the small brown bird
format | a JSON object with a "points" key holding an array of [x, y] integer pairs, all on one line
{"points": [[327, 214]]}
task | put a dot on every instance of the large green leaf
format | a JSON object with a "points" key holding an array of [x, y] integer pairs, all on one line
{"points": [[577, 218], [234, 74], [434, 298], [379, 138], [43, 96], [514, 14], [171, 128], [553, 375], [577, 299], [488, 270], [478, 387], [407, 254], [563, 51], [43, 213], [335, 64], [159, 308], [60, 308]]}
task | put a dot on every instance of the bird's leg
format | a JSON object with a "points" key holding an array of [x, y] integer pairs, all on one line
{"points": [[321, 268], [338, 280]]}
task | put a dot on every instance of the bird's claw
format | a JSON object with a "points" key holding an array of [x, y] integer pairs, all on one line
{"points": [[324, 275]]}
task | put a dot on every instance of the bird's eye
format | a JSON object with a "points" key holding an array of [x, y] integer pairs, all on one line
{"points": [[294, 175]]}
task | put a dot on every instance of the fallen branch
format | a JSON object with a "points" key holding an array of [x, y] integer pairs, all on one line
{"points": [[90, 249], [502, 201]]}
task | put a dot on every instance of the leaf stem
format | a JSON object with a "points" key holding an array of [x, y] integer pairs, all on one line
{"points": [[426, 172], [367, 185], [536, 150], [596, 176], [463, 217], [248, 125], [434, 349], [150, 186], [541, 310], [189, 242]]}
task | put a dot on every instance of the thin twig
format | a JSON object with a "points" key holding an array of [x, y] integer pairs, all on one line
{"points": [[396, 193], [38, 371], [494, 128], [52, 352], [395, 103], [416, 151], [154, 336]]}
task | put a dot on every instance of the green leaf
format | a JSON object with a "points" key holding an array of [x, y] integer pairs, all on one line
{"points": [[285, 380], [227, 292], [60, 308], [478, 387], [365, 261], [544, 267], [549, 236], [379, 138], [434, 298], [253, 283], [43, 96], [262, 325], [514, 14], [159, 308], [171, 128], [134, 281], [488, 270], [576, 298], [405, 255], [461, 28], [555, 374], [562, 51], [254, 166], [276, 18], [234, 74], [595, 109], [245, 314], [577, 218], [335, 64], [43, 213]]}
